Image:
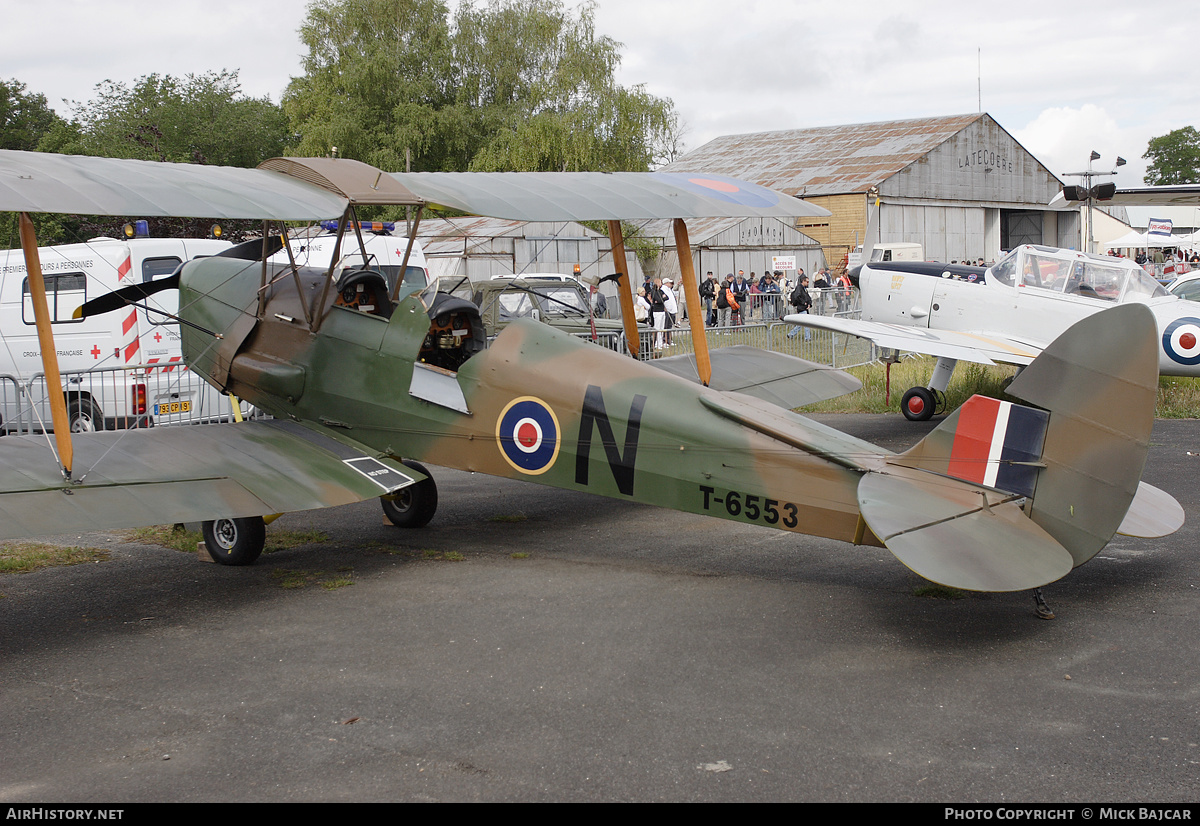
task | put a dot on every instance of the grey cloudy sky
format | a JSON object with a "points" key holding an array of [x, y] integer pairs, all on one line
{"points": [[1063, 76]]}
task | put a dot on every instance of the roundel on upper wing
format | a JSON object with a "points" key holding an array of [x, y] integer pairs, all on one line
{"points": [[724, 188], [527, 433], [1181, 340]]}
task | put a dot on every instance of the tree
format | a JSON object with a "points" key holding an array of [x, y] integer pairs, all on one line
{"points": [[197, 119], [375, 76], [515, 85], [544, 84], [24, 118], [1174, 158]]}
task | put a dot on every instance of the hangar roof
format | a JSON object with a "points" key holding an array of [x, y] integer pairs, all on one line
{"points": [[824, 160]]}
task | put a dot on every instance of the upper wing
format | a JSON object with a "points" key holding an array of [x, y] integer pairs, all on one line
{"points": [[598, 196], [981, 348], [185, 474], [42, 182], [302, 189]]}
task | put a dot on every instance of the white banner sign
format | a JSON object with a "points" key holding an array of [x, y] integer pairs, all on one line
{"points": [[783, 263], [1159, 226]]}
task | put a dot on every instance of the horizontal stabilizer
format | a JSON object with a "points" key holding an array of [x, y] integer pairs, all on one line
{"points": [[164, 475], [958, 534], [773, 377], [1153, 513]]}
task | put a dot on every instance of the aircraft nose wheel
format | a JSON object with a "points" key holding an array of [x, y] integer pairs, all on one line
{"points": [[918, 404], [414, 506], [235, 541]]}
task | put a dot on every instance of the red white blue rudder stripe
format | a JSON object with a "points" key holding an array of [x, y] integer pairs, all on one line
{"points": [[995, 443]]}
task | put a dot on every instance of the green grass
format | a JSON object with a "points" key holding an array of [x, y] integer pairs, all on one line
{"points": [[167, 536], [295, 579], [23, 557], [1178, 398], [448, 556], [969, 379], [171, 536]]}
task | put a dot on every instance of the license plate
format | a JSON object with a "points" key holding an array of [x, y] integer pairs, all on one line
{"points": [[172, 407]]}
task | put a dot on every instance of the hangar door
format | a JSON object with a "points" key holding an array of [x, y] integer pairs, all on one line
{"points": [[1019, 227]]}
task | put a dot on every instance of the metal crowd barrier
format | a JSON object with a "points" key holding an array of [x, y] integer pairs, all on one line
{"points": [[146, 395]]}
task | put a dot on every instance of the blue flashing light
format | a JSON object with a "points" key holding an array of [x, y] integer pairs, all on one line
{"points": [[366, 226]]}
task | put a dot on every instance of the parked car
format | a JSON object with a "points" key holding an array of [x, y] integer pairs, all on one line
{"points": [[1186, 286], [562, 304]]}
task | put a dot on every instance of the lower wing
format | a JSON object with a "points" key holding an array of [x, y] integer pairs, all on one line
{"points": [[981, 348], [185, 474]]}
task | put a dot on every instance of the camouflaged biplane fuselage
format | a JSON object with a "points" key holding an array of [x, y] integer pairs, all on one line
{"points": [[537, 405]]}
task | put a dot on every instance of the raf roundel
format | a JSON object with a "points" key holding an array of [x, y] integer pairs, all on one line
{"points": [[1181, 340], [527, 433]]}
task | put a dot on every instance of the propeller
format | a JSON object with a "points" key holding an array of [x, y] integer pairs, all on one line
{"points": [[246, 251]]}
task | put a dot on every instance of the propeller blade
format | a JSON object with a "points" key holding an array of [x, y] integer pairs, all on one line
{"points": [[126, 296], [253, 250]]}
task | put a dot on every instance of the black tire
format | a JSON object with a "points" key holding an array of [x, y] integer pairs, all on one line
{"points": [[85, 416], [918, 404], [235, 541], [414, 506]]}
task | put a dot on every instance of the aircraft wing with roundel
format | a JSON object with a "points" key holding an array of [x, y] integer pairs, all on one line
{"points": [[164, 475], [599, 196], [980, 348]]}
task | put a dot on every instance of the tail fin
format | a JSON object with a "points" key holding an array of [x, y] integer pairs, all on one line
{"points": [[1099, 381], [1079, 459]]}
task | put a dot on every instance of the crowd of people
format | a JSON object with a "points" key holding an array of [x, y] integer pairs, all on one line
{"points": [[740, 299]]}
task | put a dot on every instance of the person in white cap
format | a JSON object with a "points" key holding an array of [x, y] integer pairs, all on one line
{"points": [[672, 307]]}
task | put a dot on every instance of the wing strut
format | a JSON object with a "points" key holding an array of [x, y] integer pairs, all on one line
{"points": [[412, 237], [624, 289], [695, 319], [41, 314]]}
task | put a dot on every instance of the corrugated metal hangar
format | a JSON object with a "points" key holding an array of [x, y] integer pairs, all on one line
{"points": [[961, 186], [484, 247], [726, 245]]}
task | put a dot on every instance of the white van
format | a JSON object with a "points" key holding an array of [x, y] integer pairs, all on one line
{"points": [[384, 253], [121, 369], [888, 251]]}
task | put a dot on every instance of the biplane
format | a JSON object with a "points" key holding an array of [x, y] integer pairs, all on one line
{"points": [[365, 380]]}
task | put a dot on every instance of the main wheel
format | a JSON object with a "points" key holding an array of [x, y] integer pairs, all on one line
{"points": [[415, 505], [918, 404], [84, 416], [235, 541]]}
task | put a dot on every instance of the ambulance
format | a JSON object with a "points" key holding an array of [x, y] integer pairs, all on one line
{"points": [[120, 369], [382, 250]]}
